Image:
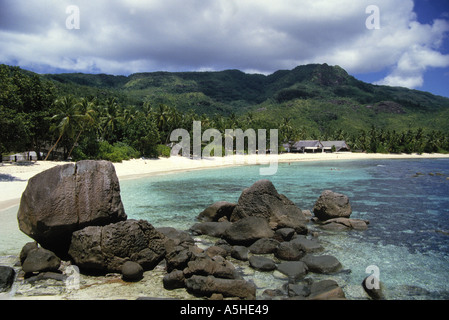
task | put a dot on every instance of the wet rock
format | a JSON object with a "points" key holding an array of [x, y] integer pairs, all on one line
{"points": [[332, 205], [240, 253], [262, 263], [373, 287], [326, 290], [294, 270], [264, 246], [205, 266], [307, 245], [174, 280], [322, 264], [337, 224], [26, 249], [289, 251], [217, 211], [284, 234], [213, 229], [206, 286], [68, 198]]}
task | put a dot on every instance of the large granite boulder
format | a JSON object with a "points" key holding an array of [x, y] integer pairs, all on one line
{"points": [[107, 248], [332, 205], [262, 200], [67, 198], [248, 230]]}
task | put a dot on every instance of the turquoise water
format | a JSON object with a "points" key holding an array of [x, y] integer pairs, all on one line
{"points": [[406, 202]]}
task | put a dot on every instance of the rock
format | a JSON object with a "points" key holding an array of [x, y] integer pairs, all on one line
{"points": [[178, 258], [341, 224], [322, 264], [41, 260], [295, 290], [240, 253], [68, 198], [262, 263], [217, 211], [289, 251], [26, 249], [262, 200], [132, 271], [177, 236], [209, 285], [326, 290], [174, 280], [332, 205], [294, 270], [284, 234], [248, 230], [7, 275], [213, 229], [216, 251], [307, 245], [107, 248], [206, 266], [373, 287], [264, 246]]}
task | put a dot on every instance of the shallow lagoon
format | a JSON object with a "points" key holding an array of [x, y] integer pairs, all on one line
{"points": [[406, 202]]}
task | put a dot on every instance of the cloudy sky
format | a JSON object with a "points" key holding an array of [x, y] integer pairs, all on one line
{"points": [[403, 43]]}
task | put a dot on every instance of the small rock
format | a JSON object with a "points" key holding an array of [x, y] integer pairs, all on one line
{"points": [[26, 249], [40, 260], [240, 253], [174, 280], [7, 275], [289, 251], [284, 234], [132, 271], [264, 246], [373, 287], [295, 270], [322, 264], [332, 205]]}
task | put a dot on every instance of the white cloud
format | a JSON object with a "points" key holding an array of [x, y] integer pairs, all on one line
{"points": [[122, 37]]}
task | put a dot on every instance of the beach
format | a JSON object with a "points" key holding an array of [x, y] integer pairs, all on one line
{"points": [[14, 177]]}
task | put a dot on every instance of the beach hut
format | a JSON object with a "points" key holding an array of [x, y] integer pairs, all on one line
{"points": [[307, 146], [339, 146]]}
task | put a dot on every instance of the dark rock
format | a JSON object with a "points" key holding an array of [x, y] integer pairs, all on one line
{"points": [[294, 270], [326, 290], [132, 271], [264, 246], [213, 229], [174, 280], [262, 200], [216, 251], [26, 249], [209, 285], [284, 234], [177, 236], [41, 260], [345, 224], [7, 275], [322, 264], [219, 268], [178, 258], [240, 253], [333, 226], [217, 211], [373, 287], [332, 205], [248, 230], [262, 263], [295, 290], [68, 198], [107, 248], [289, 251], [307, 245]]}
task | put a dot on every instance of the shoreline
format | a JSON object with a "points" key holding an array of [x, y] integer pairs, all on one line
{"points": [[19, 174]]}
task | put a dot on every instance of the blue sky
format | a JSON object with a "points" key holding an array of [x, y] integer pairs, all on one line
{"points": [[409, 48]]}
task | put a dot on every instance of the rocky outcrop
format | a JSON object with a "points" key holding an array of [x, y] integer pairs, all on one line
{"points": [[107, 248], [332, 205], [262, 200], [68, 198]]}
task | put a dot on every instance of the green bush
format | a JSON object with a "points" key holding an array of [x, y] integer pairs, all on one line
{"points": [[163, 151], [116, 153]]}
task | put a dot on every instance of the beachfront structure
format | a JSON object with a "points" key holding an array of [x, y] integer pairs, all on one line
{"points": [[339, 146], [313, 146]]}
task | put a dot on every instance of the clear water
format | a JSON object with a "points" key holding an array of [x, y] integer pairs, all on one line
{"points": [[406, 202], [407, 239]]}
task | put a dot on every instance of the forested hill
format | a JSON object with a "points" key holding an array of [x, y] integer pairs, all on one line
{"points": [[315, 101]]}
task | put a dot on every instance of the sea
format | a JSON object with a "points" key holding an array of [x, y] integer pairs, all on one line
{"points": [[405, 201]]}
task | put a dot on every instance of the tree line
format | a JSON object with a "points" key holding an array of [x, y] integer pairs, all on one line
{"points": [[33, 117]]}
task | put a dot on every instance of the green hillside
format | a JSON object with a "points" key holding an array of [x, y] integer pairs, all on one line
{"points": [[315, 101]]}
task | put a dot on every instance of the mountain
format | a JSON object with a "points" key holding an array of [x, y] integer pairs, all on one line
{"points": [[316, 96]]}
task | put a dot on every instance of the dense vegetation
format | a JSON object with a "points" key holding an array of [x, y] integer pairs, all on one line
{"points": [[82, 116]]}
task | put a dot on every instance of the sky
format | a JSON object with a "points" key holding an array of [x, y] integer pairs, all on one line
{"points": [[390, 42]]}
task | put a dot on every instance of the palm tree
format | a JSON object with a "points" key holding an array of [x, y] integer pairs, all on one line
{"points": [[65, 119], [112, 119]]}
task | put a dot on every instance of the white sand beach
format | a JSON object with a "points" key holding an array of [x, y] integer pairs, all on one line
{"points": [[17, 175]]}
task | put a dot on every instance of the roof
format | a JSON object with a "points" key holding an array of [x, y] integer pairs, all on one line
{"points": [[308, 144], [337, 144]]}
